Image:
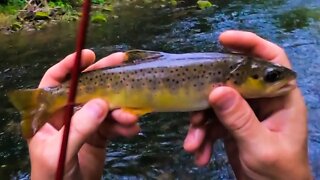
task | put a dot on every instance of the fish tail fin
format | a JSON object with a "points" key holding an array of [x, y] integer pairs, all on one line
{"points": [[32, 104], [138, 56]]}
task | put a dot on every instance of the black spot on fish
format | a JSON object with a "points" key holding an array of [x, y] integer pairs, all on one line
{"points": [[255, 76], [219, 72], [235, 82]]}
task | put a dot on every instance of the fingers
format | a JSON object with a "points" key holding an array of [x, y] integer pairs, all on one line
{"points": [[124, 117], [194, 138], [197, 118], [250, 43], [203, 155], [85, 122], [111, 60], [119, 124], [200, 139], [235, 114], [57, 73]]}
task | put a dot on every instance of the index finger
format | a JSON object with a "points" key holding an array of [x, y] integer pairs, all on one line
{"points": [[111, 60], [57, 73], [250, 43]]}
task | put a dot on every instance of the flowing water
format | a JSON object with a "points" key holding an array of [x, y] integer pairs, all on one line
{"points": [[157, 152]]}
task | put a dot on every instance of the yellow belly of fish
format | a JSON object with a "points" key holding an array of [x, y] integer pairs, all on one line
{"points": [[143, 101]]}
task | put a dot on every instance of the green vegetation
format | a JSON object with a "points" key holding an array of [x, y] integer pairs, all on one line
{"points": [[98, 17], [7, 11], [16, 15], [204, 4]]}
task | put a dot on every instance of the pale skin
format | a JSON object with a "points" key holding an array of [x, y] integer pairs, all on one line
{"points": [[275, 148], [89, 131]]}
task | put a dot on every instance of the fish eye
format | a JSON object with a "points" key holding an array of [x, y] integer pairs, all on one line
{"points": [[272, 75]]}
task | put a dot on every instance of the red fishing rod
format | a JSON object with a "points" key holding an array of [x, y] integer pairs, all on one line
{"points": [[80, 42]]}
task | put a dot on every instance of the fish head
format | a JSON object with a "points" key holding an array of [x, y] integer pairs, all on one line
{"points": [[255, 78]]}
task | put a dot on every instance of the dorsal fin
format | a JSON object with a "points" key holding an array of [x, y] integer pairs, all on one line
{"points": [[137, 56]]}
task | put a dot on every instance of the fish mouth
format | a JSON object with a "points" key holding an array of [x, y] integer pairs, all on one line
{"points": [[285, 88]]}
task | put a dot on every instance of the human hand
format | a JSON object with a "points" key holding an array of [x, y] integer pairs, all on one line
{"points": [[89, 130], [276, 147]]}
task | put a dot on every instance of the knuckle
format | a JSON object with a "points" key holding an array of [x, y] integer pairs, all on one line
{"points": [[241, 120]]}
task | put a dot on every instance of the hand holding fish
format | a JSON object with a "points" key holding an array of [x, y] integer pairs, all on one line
{"points": [[86, 149], [163, 82], [275, 148]]}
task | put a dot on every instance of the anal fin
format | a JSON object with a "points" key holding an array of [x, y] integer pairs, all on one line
{"points": [[137, 111]]}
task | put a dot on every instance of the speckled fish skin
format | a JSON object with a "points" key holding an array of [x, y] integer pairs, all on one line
{"points": [[171, 82], [158, 82]]}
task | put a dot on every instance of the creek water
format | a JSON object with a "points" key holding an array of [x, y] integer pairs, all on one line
{"points": [[157, 152]]}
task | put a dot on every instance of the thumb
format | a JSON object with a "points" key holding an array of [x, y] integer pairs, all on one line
{"points": [[84, 123], [235, 114]]}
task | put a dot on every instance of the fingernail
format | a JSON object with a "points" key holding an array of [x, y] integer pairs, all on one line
{"points": [[226, 101]]}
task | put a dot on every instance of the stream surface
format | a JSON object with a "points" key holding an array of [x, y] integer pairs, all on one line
{"points": [[157, 151]]}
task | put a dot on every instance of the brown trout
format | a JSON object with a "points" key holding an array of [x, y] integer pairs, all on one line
{"points": [[153, 81]]}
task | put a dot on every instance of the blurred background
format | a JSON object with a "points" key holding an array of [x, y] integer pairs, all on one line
{"points": [[30, 47]]}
